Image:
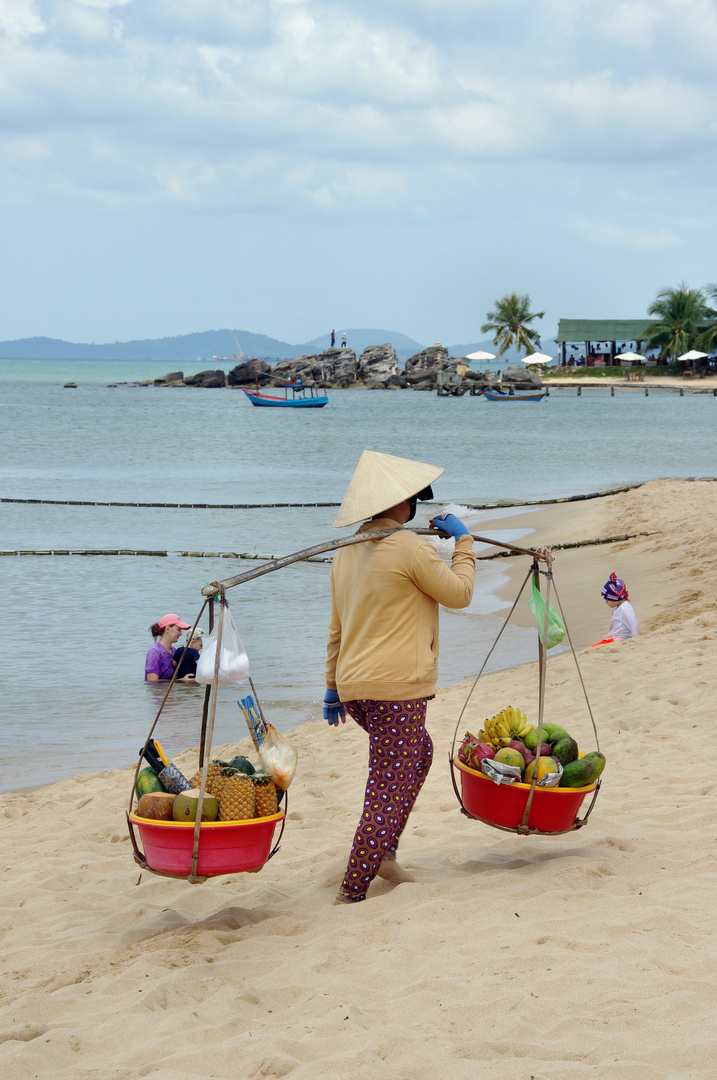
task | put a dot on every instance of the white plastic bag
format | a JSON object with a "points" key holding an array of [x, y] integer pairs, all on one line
{"points": [[278, 758], [233, 660]]}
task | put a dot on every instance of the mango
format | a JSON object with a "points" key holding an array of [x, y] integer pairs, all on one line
{"points": [[511, 757], [598, 760], [566, 750], [578, 774], [545, 765], [557, 734]]}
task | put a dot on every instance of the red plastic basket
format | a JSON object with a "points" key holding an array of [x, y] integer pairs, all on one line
{"points": [[552, 810], [225, 847]]}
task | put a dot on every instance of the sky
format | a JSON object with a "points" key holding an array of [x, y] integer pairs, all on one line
{"points": [[292, 166]]}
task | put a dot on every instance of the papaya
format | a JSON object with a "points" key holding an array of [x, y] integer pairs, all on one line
{"points": [[565, 750], [147, 781], [578, 774], [598, 760]]}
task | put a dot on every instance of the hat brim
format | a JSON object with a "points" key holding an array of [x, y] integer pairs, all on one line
{"points": [[381, 481]]}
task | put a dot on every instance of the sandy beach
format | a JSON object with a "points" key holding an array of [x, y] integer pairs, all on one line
{"points": [[541, 958]]}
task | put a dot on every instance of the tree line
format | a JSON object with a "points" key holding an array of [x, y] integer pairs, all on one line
{"points": [[685, 319]]}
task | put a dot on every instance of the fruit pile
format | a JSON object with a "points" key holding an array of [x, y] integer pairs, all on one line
{"points": [[510, 739], [235, 791]]}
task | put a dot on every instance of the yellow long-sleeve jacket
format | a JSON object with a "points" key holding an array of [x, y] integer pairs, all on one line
{"points": [[383, 631]]}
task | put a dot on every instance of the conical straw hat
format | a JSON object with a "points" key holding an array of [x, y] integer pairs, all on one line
{"points": [[380, 482]]}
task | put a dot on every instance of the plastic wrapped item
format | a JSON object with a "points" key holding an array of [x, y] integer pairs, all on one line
{"points": [[556, 630], [278, 758], [233, 661]]}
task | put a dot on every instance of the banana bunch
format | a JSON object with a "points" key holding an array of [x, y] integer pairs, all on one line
{"points": [[508, 724]]}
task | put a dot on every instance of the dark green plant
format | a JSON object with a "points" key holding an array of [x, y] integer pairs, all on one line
{"points": [[508, 322], [707, 341], [681, 314]]}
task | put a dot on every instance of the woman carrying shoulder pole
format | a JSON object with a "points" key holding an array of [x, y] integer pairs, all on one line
{"points": [[382, 653]]}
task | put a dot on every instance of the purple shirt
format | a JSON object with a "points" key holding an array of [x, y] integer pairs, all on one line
{"points": [[159, 662]]}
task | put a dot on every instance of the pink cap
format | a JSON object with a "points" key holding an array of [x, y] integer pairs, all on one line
{"points": [[172, 620]]}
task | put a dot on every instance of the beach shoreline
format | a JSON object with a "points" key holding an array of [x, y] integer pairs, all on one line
{"points": [[552, 957]]}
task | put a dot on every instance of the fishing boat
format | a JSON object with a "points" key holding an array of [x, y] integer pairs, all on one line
{"points": [[501, 395], [297, 395]]}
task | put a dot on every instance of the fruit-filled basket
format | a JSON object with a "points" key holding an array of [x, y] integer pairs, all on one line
{"points": [[221, 820], [226, 847], [553, 810], [528, 778]]}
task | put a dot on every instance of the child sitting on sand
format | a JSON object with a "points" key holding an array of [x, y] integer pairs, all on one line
{"points": [[623, 624]]}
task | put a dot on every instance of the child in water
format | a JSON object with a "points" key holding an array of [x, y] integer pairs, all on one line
{"points": [[623, 624]]}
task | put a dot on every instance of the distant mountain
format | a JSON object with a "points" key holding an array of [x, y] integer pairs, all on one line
{"points": [[205, 345], [199, 346], [358, 340], [202, 346]]}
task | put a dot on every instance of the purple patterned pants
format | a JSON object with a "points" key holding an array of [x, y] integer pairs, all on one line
{"points": [[400, 755]]}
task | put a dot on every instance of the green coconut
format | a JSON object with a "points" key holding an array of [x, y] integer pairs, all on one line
{"points": [[185, 807]]}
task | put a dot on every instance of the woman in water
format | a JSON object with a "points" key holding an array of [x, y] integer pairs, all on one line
{"points": [[160, 663]]}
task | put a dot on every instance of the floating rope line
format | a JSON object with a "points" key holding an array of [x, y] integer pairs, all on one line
{"points": [[309, 558], [309, 505]]}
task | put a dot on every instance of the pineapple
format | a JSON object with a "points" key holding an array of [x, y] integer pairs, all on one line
{"points": [[266, 796], [237, 800], [215, 778]]}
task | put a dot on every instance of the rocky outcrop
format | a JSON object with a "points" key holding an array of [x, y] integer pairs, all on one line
{"points": [[341, 366], [377, 364], [520, 378], [433, 356], [246, 373], [212, 378]]}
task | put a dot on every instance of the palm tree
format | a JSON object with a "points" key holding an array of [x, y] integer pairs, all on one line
{"points": [[509, 323], [707, 341], [681, 314]]}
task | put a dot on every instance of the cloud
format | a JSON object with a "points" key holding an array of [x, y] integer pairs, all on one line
{"points": [[326, 106], [610, 236]]}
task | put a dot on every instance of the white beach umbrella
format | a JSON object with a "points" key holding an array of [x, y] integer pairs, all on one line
{"points": [[629, 356], [538, 358], [693, 355], [480, 356]]}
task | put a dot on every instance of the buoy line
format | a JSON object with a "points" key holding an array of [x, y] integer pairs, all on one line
{"points": [[604, 493], [270, 558]]}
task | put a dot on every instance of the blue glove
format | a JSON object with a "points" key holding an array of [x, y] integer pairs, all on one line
{"points": [[333, 708], [449, 523]]}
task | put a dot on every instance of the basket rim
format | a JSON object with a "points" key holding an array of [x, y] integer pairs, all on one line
{"points": [[520, 784], [206, 824]]}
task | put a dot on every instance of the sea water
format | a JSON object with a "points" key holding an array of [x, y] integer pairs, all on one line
{"points": [[75, 628]]}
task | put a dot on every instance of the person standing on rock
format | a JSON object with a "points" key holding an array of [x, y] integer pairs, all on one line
{"points": [[382, 652], [343, 341], [333, 338]]}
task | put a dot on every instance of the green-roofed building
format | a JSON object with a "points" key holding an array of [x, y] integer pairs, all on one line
{"points": [[591, 333]]}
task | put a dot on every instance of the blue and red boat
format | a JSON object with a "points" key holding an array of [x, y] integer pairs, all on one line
{"points": [[297, 395]]}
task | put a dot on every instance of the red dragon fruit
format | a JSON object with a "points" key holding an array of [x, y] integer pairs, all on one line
{"points": [[481, 751], [467, 747]]}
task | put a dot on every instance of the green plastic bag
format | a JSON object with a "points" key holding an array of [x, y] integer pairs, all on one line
{"points": [[556, 630]]}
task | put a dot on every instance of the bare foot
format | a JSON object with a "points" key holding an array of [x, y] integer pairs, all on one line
{"points": [[391, 870]]}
